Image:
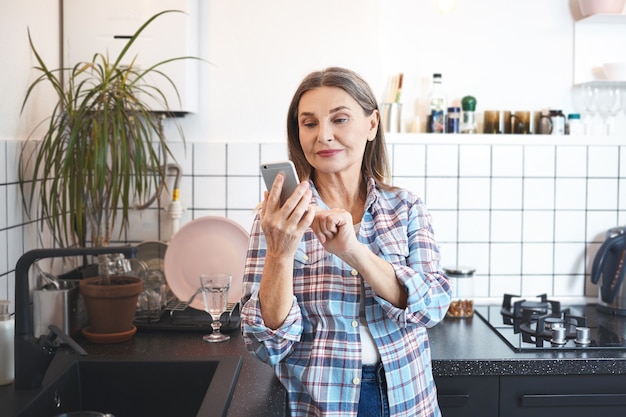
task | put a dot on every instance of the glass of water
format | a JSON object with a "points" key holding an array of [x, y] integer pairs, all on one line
{"points": [[214, 287]]}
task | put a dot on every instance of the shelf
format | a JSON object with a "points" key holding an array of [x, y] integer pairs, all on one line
{"points": [[604, 83], [604, 19], [501, 139]]}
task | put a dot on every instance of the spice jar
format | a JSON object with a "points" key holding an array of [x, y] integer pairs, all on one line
{"points": [[462, 305], [574, 125], [453, 120], [469, 124]]}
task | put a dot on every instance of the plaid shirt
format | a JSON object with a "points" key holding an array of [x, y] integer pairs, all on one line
{"points": [[316, 353]]}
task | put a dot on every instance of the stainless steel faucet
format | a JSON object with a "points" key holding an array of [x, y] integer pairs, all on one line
{"points": [[33, 355]]}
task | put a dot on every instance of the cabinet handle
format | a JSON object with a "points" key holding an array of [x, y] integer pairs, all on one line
{"points": [[572, 400], [453, 400]]}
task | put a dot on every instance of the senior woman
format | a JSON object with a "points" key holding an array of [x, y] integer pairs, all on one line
{"points": [[342, 281]]}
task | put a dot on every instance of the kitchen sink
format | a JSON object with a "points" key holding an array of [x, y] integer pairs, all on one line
{"points": [[132, 388]]}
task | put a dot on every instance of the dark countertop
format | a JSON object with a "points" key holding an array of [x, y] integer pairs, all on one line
{"points": [[258, 392], [459, 347], [470, 347]]}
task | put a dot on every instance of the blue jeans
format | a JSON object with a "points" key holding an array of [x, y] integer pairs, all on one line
{"points": [[373, 401]]}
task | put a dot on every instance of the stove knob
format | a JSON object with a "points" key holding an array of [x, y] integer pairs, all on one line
{"points": [[582, 336], [558, 335]]}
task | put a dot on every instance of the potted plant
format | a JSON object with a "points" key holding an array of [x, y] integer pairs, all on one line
{"points": [[99, 153]]}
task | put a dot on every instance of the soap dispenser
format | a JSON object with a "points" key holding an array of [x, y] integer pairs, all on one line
{"points": [[7, 333]]}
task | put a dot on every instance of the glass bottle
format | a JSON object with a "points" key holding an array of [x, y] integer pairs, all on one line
{"points": [[437, 105], [469, 125]]}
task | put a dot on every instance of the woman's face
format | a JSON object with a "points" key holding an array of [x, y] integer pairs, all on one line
{"points": [[334, 130]]}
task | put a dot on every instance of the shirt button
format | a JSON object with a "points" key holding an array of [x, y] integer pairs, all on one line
{"points": [[355, 323], [354, 272], [356, 381], [305, 257]]}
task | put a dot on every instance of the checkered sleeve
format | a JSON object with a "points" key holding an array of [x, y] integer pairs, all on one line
{"points": [[269, 345], [413, 252]]}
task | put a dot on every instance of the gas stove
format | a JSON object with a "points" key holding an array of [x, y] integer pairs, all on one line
{"points": [[544, 324]]}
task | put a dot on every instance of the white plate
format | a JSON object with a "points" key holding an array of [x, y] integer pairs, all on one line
{"points": [[206, 244]]}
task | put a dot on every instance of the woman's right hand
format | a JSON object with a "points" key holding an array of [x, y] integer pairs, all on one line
{"points": [[284, 226]]}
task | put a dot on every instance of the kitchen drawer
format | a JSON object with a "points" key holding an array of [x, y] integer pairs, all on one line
{"points": [[567, 396], [464, 396]]}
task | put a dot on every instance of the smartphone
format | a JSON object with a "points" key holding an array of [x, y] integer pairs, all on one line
{"points": [[269, 171]]}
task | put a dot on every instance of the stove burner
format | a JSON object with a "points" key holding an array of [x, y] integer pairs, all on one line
{"points": [[541, 324], [543, 320], [524, 310], [555, 327], [533, 305]]}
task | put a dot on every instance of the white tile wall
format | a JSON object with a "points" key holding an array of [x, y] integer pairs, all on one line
{"points": [[571, 161], [528, 217], [539, 161]]}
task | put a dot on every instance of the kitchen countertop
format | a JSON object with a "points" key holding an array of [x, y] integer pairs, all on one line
{"points": [[459, 347], [470, 347], [258, 392]]}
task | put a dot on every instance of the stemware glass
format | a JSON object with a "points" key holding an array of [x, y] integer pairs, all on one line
{"points": [[592, 118], [605, 102], [214, 288], [615, 107]]}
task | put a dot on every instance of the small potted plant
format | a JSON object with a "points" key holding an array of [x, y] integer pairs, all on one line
{"points": [[100, 152]]}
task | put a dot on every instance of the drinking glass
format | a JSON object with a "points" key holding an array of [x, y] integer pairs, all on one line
{"points": [[592, 118], [214, 287], [615, 107]]}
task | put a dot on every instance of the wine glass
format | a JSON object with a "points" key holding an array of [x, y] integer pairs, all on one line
{"points": [[592, 118], [615, 107], [214, 287]]}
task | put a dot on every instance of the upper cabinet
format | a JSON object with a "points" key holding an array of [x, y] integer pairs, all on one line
{"points": [[96, 26], [598, 39]]}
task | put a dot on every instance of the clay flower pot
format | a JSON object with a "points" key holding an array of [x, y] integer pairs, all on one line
{"points": [[111, 308]]}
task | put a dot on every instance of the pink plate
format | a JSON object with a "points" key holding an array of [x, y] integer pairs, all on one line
{"points": [[206, 244]]}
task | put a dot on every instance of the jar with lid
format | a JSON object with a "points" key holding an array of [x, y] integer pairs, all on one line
{"points": [[462, 304], [469, 125], [558, 122], [574, 125], [453, 120]]}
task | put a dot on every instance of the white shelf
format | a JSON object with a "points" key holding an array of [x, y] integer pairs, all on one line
{"points": [[501, 139], [604, 83], [604, 19]]}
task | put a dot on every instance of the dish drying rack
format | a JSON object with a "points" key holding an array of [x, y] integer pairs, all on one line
{"points": [[178, 316], [177, 305]]}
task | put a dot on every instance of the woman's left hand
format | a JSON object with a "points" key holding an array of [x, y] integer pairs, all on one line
{"points": [[335, 231]]}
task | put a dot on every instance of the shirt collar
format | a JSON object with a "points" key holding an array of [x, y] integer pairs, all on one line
{"points": [[372, 195]]}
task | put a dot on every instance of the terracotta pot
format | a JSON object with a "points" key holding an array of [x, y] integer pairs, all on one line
{"points": [[111, 308]]}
